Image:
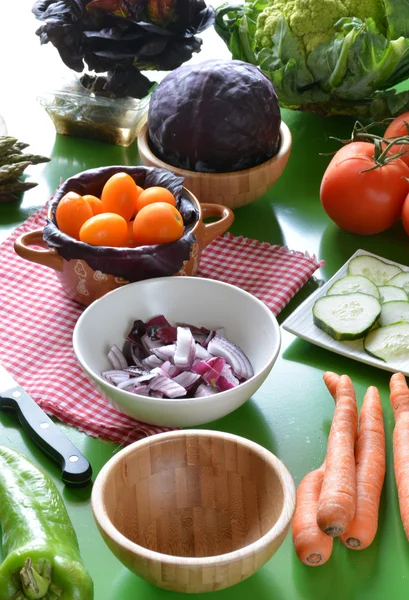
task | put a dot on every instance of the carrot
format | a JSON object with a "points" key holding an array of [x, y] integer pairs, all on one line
{"points": [[331, 379], [337, 500], [313, 546], [370, 473], [399, 398]]}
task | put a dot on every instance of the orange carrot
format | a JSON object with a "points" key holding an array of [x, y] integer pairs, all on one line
{"points": [[331, 379], [337, 500], [399, 398], [313, 546], [370, 473]]}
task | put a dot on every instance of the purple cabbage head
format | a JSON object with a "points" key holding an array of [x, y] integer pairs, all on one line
{"points": [[215, 116]]}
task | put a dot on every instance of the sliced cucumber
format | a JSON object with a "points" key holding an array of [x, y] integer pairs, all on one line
{"points": [[401, 280], [373, 268], [391, 292], [393, 312], [351, 284], [346, 316], [389, 343]]}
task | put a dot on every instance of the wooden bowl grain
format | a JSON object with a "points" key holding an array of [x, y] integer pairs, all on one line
{"points": [[234, 189], [194, 510]]}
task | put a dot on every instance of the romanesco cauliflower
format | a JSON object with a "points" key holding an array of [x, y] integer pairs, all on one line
{"points": [[312, 21]]}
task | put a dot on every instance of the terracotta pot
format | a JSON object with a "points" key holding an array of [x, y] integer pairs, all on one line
{"points": [[84, 284]]}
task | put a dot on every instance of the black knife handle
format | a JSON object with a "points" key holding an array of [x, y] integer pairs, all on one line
{"points": [[76, 470]]}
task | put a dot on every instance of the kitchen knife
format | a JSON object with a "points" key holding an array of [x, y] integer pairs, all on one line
{"points": [[76, 470]]}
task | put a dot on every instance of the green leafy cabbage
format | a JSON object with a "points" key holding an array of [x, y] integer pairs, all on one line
{"points": [[326, 56]]}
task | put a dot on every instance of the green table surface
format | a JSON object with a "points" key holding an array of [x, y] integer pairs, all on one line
{"points": [[291, 413]]}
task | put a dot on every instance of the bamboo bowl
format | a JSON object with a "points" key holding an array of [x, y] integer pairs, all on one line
{"points": [[234, 189], [194, 510]]}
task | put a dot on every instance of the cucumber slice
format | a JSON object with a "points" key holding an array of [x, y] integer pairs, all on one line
{"points": [[373, 268], [387, 293], [401, 280], [346, 316], [393, 312], [389, 343], [351, 284]]}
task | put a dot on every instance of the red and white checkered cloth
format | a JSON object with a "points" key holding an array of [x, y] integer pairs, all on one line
{"points": [[37, 320]]}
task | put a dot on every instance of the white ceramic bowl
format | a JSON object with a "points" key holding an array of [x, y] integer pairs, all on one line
{"points": [[194, 300]]}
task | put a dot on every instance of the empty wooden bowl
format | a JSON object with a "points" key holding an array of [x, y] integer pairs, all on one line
{"points": [[234, 189], [194, 510]]}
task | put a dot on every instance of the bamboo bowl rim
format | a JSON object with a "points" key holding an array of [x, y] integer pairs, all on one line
{"points": [[284, 149], [283, 521]]}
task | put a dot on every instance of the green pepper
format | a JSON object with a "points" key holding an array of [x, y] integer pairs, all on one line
{"points": [[42, 557]]}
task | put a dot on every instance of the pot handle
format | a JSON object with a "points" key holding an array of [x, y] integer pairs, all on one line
{"points": [[213, 230], [47, 257]]}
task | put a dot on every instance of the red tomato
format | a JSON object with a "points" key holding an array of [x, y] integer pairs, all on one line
{"points": [[405, 215], [399, 127], [363, 202]]}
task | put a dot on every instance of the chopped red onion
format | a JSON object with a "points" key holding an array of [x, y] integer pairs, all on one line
{"points": [[135, 370], [137, 353], [128, 383], [205, 390], [234, 356], [173, 361], [146, 377], [201, 352], [142, 390], [149, 344], [170, 370], [227, 380], [210, 369], [115, 376], [167, 335], [159, 321], [185, 348], [167, 386], [165, 352], [209, 337], [186, 379], [116, 358], [152, 361]]}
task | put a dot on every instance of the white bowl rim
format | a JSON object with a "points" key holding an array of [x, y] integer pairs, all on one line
{"points": [[285, 146], [151, 400], [283, 474]]}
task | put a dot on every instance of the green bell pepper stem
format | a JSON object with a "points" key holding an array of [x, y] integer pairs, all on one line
{"points": [[33, 584], [42, 558]]}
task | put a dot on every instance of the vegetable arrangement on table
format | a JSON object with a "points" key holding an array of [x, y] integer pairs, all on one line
{"points": [[325, 56], [42, 557]]}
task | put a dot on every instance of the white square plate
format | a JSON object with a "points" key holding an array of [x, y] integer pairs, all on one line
{"points": [[301, 324]]}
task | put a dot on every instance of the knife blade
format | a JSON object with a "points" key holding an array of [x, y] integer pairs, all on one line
{"points": [[76, 470]]}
